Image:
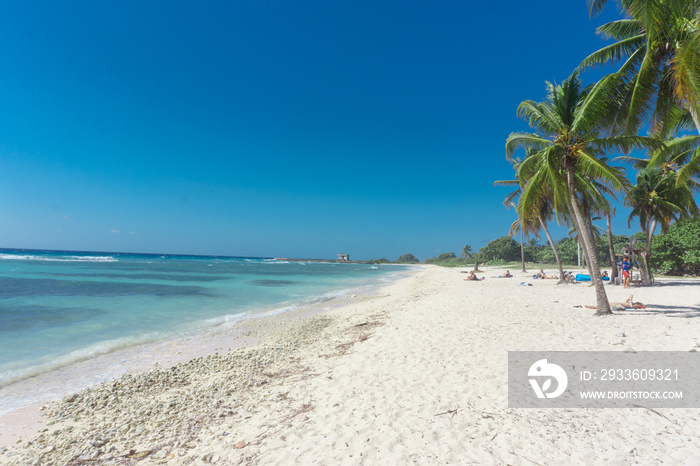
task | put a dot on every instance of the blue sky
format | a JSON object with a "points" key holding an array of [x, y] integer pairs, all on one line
{"points": [[271, 128]]}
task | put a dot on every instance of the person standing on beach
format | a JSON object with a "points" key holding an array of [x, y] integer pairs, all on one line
{"points": [[625, 272]]}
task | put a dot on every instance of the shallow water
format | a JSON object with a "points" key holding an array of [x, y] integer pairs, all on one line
{"points": [[64, 310]]}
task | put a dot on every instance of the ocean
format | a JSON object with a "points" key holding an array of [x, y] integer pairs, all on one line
{"points": [[69, 320]]}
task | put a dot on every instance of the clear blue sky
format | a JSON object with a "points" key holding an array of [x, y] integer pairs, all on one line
{"points": [[271, 127]]}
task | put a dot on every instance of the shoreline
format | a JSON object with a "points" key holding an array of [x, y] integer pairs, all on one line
{"points": [[414, 374], [251, 330]]}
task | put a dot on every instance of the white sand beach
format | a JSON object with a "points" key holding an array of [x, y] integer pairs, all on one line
{"points": [[414, 375]]}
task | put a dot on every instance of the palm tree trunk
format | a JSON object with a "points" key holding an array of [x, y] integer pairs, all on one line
{"points": [[646, 272], [611, 248], [602, 303], [522, 247], [577, 227], [554, 249]]}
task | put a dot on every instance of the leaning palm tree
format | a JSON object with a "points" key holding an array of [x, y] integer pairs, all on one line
{"points": [[538, 216], [659, 47], [569, 149]]}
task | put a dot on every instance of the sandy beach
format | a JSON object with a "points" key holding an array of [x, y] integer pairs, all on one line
{"points": [[416, 374]]}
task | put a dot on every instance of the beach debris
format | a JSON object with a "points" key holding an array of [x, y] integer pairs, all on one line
{"points": [[140, 454], [240, 444], [620, 334], [451, 411]]}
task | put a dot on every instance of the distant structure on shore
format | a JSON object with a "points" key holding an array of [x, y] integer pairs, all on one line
{"points": [[343, 257]]}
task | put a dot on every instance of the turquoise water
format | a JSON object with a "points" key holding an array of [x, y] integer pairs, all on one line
{"points": [[61, 308]]}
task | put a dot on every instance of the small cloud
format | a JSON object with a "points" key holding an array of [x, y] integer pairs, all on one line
{"points": [[131, 233], [115, 232]]}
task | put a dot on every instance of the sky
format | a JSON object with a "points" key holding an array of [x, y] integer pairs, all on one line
{"points": [[272, 128]]}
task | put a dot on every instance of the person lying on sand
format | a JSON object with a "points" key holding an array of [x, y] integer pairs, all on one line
{"points": [[543, 275], [629, 304], [472, 277], [505, 275]]}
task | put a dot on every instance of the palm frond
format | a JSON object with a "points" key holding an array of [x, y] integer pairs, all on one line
{"points": [[677, 151], [627, 144], [527, 141], [621, 29], [635, 162], [690, 170], [643, 88], [613, 53], [686, 72], [540, 117], [611, 177]]}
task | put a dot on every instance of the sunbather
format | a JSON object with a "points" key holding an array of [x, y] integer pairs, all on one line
{"points": [[472, 277], [629, 304], [505, 275]]}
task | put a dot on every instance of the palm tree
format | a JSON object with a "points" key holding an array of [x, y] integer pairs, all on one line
{"points": [[570, 151], [534, 245], [539, 217], [657, 200], [466, 252], [660, 45]]}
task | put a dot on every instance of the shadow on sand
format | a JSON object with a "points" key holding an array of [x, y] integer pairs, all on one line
{"points": [[685, 312]]}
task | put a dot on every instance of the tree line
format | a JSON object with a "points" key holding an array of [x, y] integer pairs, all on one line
{"points": [[675, 252]]}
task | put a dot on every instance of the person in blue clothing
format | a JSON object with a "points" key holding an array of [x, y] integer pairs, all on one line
{"points": [[626, 266]]}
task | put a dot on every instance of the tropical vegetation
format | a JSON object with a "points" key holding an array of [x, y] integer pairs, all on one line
{"points": [[567, 173]]}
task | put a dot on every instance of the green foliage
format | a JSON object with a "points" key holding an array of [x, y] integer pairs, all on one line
{"points": [[446, 259], [499, 262], [504, 248], [566, 247], [678, 251], [383, 260], [408, 259]]}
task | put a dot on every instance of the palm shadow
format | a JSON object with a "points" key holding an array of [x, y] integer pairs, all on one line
{"points": [[684, 312]]}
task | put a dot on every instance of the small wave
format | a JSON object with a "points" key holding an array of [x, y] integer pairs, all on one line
{"points": [[29, 257], [84, 354]]}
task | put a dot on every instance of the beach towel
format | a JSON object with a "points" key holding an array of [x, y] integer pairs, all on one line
{"points": [[587, 278]]}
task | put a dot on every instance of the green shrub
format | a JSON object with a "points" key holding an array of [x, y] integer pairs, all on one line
{"points": [[678, 251], [408, 259], [446, 259]]}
